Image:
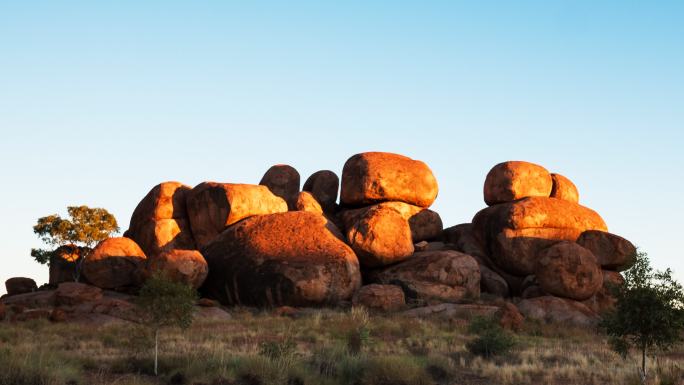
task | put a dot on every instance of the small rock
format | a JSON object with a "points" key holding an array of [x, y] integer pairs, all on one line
{"points": [[510, 317], [388, 298], [20, 285]]}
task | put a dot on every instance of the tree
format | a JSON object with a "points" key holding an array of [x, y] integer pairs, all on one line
{"points": [[165, 303], [649, 312], [84, 228]]}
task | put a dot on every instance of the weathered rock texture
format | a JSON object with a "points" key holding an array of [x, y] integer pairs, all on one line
{"points": [[115, 263], [214, 206], [20, 285], [558, 310], [514, 233], [509, 181], [374, 177], [324, 185], [568, 270], [380, 236], [283, 181], [289, 258], [387, 298], [307, 202], [185, 266], [444, 276], [612, 251], [160, 221], [603, 300], [563, 188]]}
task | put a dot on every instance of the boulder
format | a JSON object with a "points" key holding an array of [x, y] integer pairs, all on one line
{"points": [[214, 206], [283, 181], [431, 246], [444, 276], [492, 283], [530, 288], [184, 266], [380, 236], [604, 300], [115, 263], [509, 181], [425, 224], [58, 315], [563, 188], [514, 233], [510, 317], [568, 270], [3, 311], [20, 285], [160, 221], [552, 309], [76, 293], [387, 298], [293, 258], [612, 251], [323, 185], [307, 202], [374, 177], [64, 262], [463, 239], [36, 299]]}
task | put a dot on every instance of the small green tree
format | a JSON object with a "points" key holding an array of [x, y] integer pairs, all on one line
{"points": [[649, 312], [85, 227], [165, 303]]}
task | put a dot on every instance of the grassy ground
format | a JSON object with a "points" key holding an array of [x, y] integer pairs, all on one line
{"points": [[319, 348]]}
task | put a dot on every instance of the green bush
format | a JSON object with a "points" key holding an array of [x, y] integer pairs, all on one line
{"points": [[491, 339]]}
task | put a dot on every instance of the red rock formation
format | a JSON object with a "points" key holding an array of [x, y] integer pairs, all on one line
{"points": [[374, 177], [323, 185], [509, 181], [214, 206], [612, 252], [558, 310], [307, 202], [283, 181], [388, 298], [20, 285], [563, 188], [185, 266], [293, 258], [568, 270], [115, 263]]}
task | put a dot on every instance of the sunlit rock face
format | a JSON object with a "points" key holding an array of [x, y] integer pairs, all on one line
{"points": [[563, 188], [375, 177], [307, 202], [160, 221], [513, 180], [514, 233], [214, 206], [283, 181], [185, 266], [295, 258], [115, 263]]}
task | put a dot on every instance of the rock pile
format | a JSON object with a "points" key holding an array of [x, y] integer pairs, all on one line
{"points": [[272, 245]]}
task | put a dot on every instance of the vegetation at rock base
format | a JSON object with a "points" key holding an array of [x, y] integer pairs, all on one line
{"points": [[491, 339], [84, 227], [165, 303], [649, 312], [260, 348]]}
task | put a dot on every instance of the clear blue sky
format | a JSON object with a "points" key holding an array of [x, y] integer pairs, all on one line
{"points": [[99, 101]]}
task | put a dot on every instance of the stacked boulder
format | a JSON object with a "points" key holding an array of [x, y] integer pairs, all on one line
{"points": [[538, 239]]}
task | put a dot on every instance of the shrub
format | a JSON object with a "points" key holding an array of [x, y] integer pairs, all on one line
{"points": [[491, 339]]}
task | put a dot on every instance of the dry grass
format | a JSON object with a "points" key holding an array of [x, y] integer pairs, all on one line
{"points": [[264, 349]]}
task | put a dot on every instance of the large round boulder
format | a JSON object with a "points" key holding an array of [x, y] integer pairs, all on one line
{"points": [[283, 181], [374, 177], [20, 285], [563, 188], [612, 251], [425, 224], [295, 258], [552, 309], [568, 270], [115, 263], [604, 300], [387, 298], [514, 233], [512, 180], [213, 206], [160, 221], [462, 238], [324, 185], [442, 276], [184, 266], [380, 236]]}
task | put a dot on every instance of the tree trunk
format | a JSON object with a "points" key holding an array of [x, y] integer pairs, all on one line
{"points": [[156, 350], [643, 364]]}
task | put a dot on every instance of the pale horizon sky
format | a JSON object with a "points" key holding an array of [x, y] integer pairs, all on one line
{"points": [[100, 101]]}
